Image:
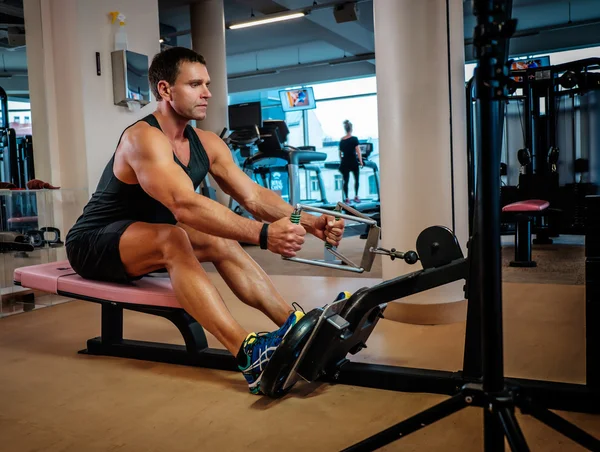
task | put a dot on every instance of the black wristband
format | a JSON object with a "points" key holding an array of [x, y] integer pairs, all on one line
{"points": [[264, 236]]}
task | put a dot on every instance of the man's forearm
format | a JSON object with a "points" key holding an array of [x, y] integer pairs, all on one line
{"points": [[206, 215], [269, 206]]}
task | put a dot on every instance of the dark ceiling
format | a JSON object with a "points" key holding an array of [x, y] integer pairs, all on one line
{"points": [[300, 51]]}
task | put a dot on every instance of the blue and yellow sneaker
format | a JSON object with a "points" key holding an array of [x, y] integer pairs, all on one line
{"points": [[343, 295], [258, 349], [290, 322]]}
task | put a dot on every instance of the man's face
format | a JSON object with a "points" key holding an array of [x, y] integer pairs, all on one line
{"points": [[189, 94]]}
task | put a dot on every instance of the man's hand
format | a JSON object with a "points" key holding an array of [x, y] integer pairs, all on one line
{"points": [[285, 237], [328, 229]]}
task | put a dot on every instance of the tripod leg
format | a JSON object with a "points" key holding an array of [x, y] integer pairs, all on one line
{"points": [[563, 426], [493, 436], [410, 425], [513, 432]]}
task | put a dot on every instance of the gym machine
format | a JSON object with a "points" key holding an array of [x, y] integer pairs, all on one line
{"points": [[550, 127], [370, 206], [274, 157], [266, 158], [317, 346]]}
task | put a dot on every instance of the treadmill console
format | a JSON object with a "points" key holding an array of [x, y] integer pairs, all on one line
{"points": [[366, 149]]}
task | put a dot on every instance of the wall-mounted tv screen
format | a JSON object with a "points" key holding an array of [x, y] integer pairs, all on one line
{"points": [[530, 63], [297, 99], [521, 65]]}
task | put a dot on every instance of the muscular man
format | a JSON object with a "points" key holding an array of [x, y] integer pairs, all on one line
{"points": [[145, 215]]}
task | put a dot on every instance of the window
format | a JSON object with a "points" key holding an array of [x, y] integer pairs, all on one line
{"points": [[295, 123], [19, 117], [339, 180], [314, 183], [325, 128], [354, 87]]}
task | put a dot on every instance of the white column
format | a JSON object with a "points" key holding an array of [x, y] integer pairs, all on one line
{"points": [[207, 20], [422, 138]]}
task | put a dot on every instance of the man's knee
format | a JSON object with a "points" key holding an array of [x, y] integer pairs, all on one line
{"points": [[217, 249], [174, 242]]}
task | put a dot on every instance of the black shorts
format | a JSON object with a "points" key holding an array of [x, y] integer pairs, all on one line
{"points": [[94, 254]]}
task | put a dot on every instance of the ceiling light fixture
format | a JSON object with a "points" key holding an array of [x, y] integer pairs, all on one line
{"points": [[267, 20], [277, 17]]}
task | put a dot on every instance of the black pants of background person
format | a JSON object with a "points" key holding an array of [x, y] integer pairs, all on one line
{"points": [[346, 170]]}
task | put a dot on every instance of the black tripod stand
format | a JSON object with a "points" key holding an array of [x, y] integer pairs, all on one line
{"points": [[493, 393]]}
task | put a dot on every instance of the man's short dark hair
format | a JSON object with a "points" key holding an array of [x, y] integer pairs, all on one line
{"points": [[165, 66]]}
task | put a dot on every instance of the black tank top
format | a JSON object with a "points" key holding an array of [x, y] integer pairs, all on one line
{"points": [[115, 200]]}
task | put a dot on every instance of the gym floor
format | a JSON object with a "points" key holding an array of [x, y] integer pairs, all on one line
{"points": [[56, 400]]}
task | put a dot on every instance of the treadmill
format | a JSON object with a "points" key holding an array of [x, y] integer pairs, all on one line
{"points": [[367, 206], [279, 165]]}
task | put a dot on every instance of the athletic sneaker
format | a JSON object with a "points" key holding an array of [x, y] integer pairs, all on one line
{"points": [[343, 295], [290, 322], [259, 347]]}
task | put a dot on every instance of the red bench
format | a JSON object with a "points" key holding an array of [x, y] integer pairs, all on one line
{"points": [[150, 295], [523, 212]]}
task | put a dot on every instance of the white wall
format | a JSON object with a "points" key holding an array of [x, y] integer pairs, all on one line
{"points": [[76, 125], [103, 121]]}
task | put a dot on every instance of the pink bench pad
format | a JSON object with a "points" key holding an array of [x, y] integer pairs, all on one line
{"points": [[531, 205], [58, 277]]}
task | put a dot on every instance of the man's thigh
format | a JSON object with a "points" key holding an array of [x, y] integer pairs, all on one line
{"points": [[94, 254], [144, 247], [210, 248]]}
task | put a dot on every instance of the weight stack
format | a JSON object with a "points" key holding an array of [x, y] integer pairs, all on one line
{"points": [[592, 290]]}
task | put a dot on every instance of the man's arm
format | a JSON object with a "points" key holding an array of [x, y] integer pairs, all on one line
{"points": [[260, 202], [151, 158]]}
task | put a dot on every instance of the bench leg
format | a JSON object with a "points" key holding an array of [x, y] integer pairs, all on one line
{"points": [[542, 236], [523, 244], [192, 331], [194, 353], [112, 323]]}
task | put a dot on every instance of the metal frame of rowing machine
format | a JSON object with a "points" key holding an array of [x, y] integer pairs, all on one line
{"points": [[571, 397]]}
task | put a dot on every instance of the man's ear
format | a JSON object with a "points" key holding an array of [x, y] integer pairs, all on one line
{"points": [[164, 89]]}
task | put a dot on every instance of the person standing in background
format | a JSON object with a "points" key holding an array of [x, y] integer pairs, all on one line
{"points": [[350, 161]]}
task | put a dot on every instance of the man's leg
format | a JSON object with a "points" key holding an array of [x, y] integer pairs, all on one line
{"points": [[243, 275], [145, 248]]}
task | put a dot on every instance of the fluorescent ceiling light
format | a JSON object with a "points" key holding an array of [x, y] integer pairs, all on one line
{"points": [[267, 20]]}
